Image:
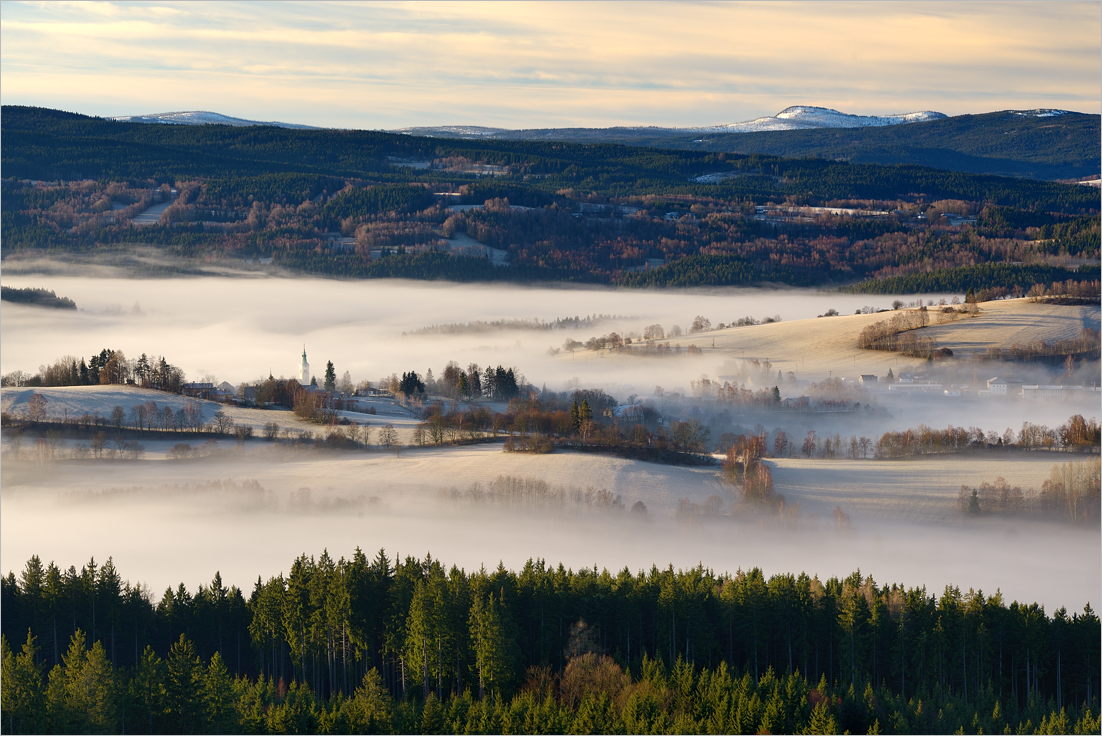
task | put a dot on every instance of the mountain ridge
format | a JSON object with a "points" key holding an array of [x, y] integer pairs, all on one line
{"points": [[203, 117], [795, 117]]}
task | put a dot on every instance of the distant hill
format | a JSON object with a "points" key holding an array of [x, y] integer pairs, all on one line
{"points": [[798, 117], [198, 117], [575, 212], [1034, 144]]}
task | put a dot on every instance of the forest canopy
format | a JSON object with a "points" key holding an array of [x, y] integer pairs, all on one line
{"points": [[413, 646]]}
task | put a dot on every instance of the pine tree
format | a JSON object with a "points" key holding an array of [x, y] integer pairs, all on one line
{"points": [[147, 691], [183, 687], [330, 377], [217, 697], [23, 700]]}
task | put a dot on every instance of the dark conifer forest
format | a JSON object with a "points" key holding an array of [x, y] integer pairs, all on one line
{"points": [[371, 645]]}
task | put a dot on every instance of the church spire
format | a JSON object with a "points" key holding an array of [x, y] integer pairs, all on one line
{"points": [[304, 369]]}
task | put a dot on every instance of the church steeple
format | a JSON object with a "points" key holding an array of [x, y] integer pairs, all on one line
{"points": [[304, 369]]}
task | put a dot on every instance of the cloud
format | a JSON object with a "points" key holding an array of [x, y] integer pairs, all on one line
{"points": [[533, 64]]}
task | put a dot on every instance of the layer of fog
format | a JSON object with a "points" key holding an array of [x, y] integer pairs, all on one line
{"points": [[243, 329], [248, 515], [240, 329]]}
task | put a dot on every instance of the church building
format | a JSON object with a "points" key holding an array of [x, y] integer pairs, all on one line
{"points": [[304, 369]]}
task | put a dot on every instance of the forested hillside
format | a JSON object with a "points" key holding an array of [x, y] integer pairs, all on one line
{"points": [[366, 645], [368, 204], [1006, 143]]}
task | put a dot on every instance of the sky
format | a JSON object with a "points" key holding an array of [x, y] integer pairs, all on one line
{"points": [[522, 65]]}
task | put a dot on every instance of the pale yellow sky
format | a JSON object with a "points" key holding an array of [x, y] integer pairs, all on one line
{"points": [[388, 65]]}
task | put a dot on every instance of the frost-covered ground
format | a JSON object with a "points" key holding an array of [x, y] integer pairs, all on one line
{"points": [[74, 402]]}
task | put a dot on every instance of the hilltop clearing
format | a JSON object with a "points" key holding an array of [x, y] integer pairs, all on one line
{"points": [[1003, 324]]}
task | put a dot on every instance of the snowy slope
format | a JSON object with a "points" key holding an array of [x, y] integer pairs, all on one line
{"points": [[1041, 113], [804, 117], [454, 131], [198, 117]]}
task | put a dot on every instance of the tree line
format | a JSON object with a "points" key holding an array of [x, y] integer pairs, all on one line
{"points": [[108, 367], [37, 297], [983, 276], [1071, 493], [370, 639], [1076, 435]]}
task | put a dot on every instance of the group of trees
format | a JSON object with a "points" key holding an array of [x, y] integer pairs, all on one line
{"points": [[1085, 346], [732, 393], [631, 346], [583, 420], [1072, 492], [494, 384], [339, 645], [895, 334], [1076, 435], [106, 367], [745, 468], [1013, 279], [143, 416], [37, 297], [1070, 291], [533, 494]]}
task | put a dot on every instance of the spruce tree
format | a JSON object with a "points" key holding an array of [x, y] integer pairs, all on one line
{"points": [[330, 377]]}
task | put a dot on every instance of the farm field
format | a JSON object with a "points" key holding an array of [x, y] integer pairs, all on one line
{"points": [[827, 346], [920, 489]]}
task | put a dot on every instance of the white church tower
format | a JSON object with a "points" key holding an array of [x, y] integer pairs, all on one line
{"points": [[304, 369]]}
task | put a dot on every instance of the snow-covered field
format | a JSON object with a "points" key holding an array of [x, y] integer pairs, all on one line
{"points": [[818, 348], [74, 402], [1014, 321], [920, 489]]}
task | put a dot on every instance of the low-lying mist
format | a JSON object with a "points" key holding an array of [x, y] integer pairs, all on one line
{"points": [[240, 329], [246, 514], [250, 511]]}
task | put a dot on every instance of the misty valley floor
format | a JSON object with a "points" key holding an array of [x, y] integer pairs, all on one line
{"points": [[165, 522]]}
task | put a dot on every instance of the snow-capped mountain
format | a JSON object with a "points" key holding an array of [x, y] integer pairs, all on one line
{"points": [[456, 131], [805, 117], [198, 117], [799, 117]]}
